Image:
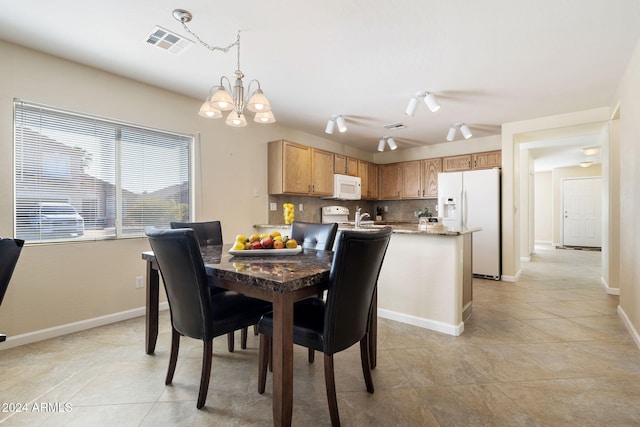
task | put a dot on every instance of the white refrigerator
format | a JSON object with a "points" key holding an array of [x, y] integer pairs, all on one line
{"points": [[471, 199]]}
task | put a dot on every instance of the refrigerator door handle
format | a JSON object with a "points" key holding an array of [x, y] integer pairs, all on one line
{"points": [[464, 209]]}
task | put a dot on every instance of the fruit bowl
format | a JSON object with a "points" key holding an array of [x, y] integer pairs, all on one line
{"points": [[266, 252]]}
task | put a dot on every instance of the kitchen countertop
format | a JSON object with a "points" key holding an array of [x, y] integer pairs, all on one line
{"points": [[398, 228]]}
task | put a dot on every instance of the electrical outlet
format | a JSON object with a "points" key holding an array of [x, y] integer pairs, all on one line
{"points": [[139, 282], [386, 208], [273, 206], [300, 207]]}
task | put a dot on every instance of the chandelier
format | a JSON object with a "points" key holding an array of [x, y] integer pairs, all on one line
{"points": [[230, 98]]}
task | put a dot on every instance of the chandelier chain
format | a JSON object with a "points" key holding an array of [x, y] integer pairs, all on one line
{"points": [[224, 49]]}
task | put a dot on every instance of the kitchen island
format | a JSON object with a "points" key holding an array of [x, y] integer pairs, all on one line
{"points": [[426, 277]]}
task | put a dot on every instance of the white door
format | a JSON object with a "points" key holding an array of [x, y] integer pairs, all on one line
{"points": [[581, 212]]}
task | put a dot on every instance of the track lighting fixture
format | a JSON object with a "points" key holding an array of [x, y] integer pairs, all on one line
{"points": [[464, 130], [336, 119], [429, 99], [389, 141]]}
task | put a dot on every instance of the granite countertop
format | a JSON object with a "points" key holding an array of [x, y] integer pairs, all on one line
{"points": [[272, 273], [398, 228]]}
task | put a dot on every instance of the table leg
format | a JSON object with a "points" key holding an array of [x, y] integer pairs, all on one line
{"points": [[153, 291], [282, 359]]}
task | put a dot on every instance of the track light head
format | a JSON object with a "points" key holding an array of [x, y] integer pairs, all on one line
{"points": [[392, 143], [342, 126], [452, 134], [431, 102], [465, 131], [412, 107], [331, 124], [381, 145]]}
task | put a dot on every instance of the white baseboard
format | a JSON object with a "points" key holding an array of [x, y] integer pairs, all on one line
{"points": [[56, 331], [512, 278], [610, 291], [421, 322], [629, 325], [525, 258]]}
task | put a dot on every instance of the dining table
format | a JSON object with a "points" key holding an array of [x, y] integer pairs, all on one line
{"points": [[279, 279]]}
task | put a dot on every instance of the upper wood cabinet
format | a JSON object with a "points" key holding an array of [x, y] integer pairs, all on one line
{"points": [[390, 181], [411, 180], [456, 163], [487, 160], [430, 170], [345, 165], [363, 173], [372, 191], [298, 169]]}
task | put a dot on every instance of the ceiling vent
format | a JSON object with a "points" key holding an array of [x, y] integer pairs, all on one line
{"points": [[166, 40], [395, 126]]}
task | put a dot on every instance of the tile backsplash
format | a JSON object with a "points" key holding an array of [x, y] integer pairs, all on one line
{"points": [[398, 210]]}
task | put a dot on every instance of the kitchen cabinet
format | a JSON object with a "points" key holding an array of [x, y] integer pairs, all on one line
{"points": [[390, 181], [368, 173], [363, 173], [411, 180], [456, 163], [298, 169], [430, 170], [345, 165], [373, 182], [487, 160]]}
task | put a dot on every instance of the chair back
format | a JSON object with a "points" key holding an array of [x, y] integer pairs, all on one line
{"points": [[207, 232], [9, 253], [352, 283], [311, 235], [185, 281]]}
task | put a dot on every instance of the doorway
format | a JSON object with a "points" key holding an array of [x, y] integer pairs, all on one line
{"points": [[581, 212]]}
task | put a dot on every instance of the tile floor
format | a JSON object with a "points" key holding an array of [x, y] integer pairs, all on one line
{"points": [[548, 351]]}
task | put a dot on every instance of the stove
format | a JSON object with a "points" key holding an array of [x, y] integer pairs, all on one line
{"points": [[339, 214]]}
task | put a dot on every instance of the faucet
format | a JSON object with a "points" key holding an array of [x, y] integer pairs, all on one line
{"points": [[360, 217]]}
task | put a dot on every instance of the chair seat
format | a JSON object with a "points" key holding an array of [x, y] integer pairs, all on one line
{"points": [[308, 316], [229, 309]]}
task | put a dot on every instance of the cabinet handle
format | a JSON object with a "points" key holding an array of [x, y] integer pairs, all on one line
{"points": [[309, 188]]}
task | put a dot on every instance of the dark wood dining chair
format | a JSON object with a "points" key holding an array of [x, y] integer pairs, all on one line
{"points": [[195, 311], [210, 233], [314, 236], [343, 319], [10, 250]]}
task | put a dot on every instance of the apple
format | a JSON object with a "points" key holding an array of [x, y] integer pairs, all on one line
{"points": [[267, 242], [256, 245]]}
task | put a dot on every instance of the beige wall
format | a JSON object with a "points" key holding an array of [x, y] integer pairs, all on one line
{"points": [[629, 155], [543, 208]]}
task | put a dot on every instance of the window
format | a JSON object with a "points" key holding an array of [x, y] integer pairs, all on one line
{"points": [[79, 177]]}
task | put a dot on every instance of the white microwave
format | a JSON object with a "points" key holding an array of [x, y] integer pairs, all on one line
{"points": [[346, 187]]}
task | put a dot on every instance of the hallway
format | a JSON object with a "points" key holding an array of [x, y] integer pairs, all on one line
{"points": [[549, 350]]}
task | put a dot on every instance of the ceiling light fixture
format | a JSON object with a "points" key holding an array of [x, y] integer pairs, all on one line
{"points": [[586, 164], [220, 98], [464, 130], [591, 151], [429, 99], [389, 141], [336, 119]]}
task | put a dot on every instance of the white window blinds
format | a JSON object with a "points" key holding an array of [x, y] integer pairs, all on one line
{"points": [[80, 177]]}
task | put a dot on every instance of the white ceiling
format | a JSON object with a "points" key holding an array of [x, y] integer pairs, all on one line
{"points": [[488, 62]]}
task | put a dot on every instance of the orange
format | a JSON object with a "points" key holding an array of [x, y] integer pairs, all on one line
{"points": [[278, 244]]}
